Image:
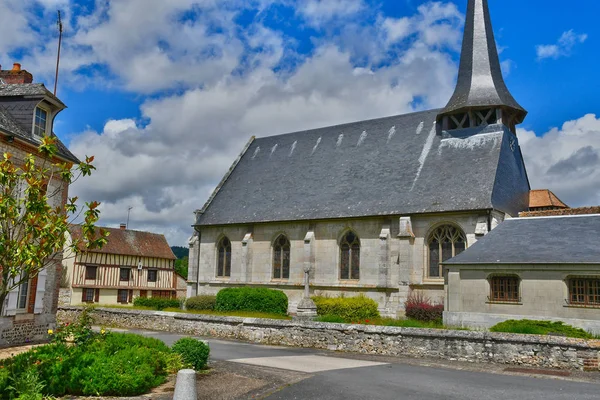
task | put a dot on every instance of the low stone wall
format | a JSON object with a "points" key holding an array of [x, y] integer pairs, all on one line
{"points": [[64, 297], [479, 347], [25, 329]]}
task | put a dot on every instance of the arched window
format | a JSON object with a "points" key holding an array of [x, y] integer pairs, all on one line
{"points": [[224, 258], [350, 256], [444, 243], [281, 258]]}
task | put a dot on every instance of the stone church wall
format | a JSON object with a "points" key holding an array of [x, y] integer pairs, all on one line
{"points": [[390, 265]]}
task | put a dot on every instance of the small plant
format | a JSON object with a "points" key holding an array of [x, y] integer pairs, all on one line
{"points": [[157, 303], [79, 332], [331, 318], [349, 309], [193, 352], [530, 327], [27, 386], [201, 303], [252, 299], [421, 308]]}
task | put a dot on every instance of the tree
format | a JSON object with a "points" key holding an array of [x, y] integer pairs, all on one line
{"points": [[34, 218], [181, 266]]}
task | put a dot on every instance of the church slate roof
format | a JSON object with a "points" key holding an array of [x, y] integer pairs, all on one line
{"points": [[541, 240], [397, 165]]}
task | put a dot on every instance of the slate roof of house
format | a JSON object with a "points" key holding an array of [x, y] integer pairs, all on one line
{"points": [[389, 166], [132, 243], [9, 125], [542, 240], [544, 198]]}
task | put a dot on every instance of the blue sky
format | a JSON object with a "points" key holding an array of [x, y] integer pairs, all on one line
{"points": [[170, 91]]}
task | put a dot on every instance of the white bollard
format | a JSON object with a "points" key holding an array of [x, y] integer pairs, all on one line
{"points": [[185, 386]]}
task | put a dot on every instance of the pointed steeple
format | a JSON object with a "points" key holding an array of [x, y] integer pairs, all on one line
{"points": [[481, 96]]}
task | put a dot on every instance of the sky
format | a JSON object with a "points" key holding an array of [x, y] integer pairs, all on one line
{"points": [[165, 94]]}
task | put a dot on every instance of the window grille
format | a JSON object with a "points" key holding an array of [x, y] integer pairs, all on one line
{"points": [[445, 242], [350, 257], [504, 289], [224, 258], [584, 291], [281, 258]]}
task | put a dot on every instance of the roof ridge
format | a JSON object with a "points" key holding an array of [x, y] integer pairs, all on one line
{"points": [[553, 216]]}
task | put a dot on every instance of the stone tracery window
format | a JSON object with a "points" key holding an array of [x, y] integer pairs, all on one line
{"points": [[350, 256], [281, 258], [224, 258], [444, 243]]}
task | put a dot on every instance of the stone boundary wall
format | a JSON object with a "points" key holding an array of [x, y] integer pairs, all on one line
{"points": [[471, 346]]}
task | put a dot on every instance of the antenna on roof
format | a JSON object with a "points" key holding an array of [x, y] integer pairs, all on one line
{"points": [[60, 32], [128, 211]]}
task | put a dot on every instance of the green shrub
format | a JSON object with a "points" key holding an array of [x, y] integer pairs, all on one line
{"points": [[530, 327], [252, 299], [157, 303], [193, 352], [114, 364], [350, 309], [201, 303]]}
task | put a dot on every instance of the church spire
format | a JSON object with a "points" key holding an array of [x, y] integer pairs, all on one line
{"points": [[481, 96]]}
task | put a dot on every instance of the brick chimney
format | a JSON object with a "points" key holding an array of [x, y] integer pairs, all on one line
{"points": [[123, 227], [16, 75]]}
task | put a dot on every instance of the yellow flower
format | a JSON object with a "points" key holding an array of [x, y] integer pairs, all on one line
{"points": [[50, 331], [102, 331]]}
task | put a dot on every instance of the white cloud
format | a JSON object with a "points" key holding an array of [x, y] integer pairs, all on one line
{"points": [[566, 160], [562, 48], [318, 12]]}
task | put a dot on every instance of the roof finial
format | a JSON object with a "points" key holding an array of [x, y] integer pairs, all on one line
{"points": [[481, 96]]}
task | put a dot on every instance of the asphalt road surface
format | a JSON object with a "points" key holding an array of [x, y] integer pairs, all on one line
{"points": [[327, 375]]}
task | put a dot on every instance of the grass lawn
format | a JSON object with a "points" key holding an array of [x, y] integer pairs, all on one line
{"points": [[402, 323]]}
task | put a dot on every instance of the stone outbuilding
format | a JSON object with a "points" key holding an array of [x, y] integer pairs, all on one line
{"points": [[371, 207], [27, 113], [544, 268]]}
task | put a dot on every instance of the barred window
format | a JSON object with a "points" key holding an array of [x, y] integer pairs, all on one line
{"points": [[504, 289], [584, 291], [88, 295], [350, 256], [281, 258], [224, 258], [445, 242], [123, 296], [124, 274]]}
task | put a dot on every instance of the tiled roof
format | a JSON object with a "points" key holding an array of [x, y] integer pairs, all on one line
{"points": [[396, 165], [9, 125], [132, 243], [544, 198], [542, 240], [27, 89], [560, 212]]}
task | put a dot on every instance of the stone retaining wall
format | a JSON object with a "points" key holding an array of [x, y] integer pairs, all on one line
{"points": [[480, 347]]}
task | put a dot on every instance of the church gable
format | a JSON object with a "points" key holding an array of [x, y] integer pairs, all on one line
{"points": [[388, 166]]}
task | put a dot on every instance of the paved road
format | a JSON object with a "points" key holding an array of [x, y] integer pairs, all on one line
{"points": [[328, 375]]}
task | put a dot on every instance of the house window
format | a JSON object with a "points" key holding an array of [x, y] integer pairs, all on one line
{"points": [[444, 243], [224, 258], [91, 272], [281, 258], [124, 274], [88, 295], [152, 273], [163, 294], [584, 291], [350, 256], [40, 122], [504, 289], [123, 296], [23, 294]]}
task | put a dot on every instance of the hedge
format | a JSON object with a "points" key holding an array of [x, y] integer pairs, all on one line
{"points": [[530, 327], [348, 308], [252, 299], [193, 352], [203, 302], [157, 303], [421, 308]]}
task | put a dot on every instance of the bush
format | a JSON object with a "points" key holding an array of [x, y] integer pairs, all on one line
{"points": [[349, 309], [540, 328], [331, 318], [157, 303], [252, 299], [193, 352], [421, 308], [201, 303], [113, 364]]}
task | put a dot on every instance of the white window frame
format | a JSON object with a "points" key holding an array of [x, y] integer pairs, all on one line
{"points": [[34, 126], [21, 310]]}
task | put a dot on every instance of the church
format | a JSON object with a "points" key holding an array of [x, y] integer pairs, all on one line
{"points": [[371, 207]]}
